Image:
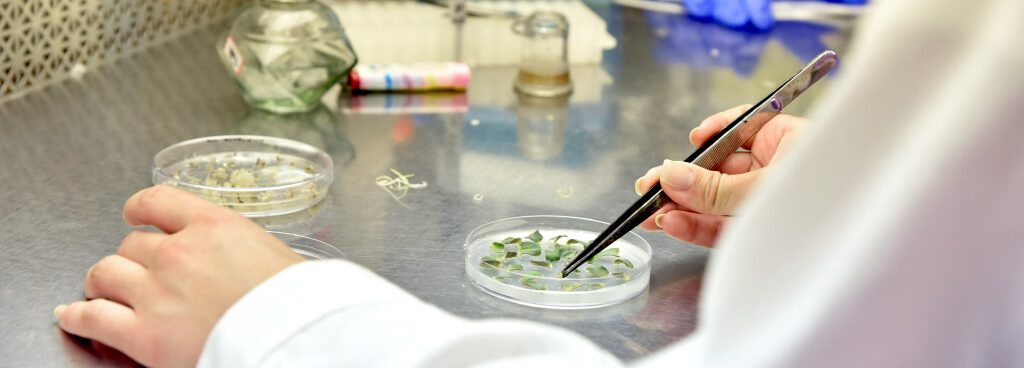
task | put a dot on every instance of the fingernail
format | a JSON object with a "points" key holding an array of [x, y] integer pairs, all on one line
{"points": [[636, 186], [691, 134], [59, 310], [657, 220], [677, 175]]}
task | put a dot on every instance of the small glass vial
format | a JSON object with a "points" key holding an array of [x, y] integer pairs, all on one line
{"points": [[285, 54], [544, 66]]}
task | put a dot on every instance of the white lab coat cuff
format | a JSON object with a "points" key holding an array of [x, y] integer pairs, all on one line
{"points": [[286, 303]]}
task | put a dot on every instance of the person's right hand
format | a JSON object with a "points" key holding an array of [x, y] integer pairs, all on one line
{"points": [[704, 199]]}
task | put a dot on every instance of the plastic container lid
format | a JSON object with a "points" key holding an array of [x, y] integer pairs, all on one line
{"points": [[518, 259], [254, 175]]}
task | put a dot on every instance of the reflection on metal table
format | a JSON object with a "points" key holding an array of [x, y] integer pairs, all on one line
{"points": [[74, 151]]}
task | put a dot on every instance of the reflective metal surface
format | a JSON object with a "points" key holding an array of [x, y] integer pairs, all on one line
{"points": [[73, 152]]}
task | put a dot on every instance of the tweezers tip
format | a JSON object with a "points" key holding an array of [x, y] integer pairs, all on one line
{"points": [[565, 271]]}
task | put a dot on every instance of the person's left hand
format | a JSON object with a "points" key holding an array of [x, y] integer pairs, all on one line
{"points": [[159, 297]]}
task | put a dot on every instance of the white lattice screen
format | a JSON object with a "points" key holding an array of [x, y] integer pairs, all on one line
{"points": [[41, 40]]}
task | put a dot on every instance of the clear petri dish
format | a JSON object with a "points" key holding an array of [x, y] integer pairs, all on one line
{"points": [[309, 247], [254, 175], [519, 259]]}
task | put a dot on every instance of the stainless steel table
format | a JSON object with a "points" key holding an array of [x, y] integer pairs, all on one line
{"points": [[73, 152]]}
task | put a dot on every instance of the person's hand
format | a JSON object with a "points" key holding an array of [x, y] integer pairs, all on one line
{"points": [[704, 199], [159, 297]]}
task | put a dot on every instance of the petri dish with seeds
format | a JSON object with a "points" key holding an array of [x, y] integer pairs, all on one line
{"points": [[255, 175], [519, 260]]}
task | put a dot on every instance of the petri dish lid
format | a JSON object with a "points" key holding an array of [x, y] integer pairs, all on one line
{"points": [[254, 175], [309, 247], [518, 260]]}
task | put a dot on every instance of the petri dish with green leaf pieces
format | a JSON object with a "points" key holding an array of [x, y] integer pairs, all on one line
{"points": [[519, 260]]}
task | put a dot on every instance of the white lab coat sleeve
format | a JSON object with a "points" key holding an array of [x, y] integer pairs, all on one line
{"points": [[338, 314], [891, 236]]}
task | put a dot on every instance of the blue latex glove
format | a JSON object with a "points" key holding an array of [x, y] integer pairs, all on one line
{"points": [[708, 45], [740, 14], [751, 15], [699, 9]]}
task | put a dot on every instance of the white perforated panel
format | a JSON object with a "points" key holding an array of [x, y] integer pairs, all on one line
{"points": [[41, 40]]}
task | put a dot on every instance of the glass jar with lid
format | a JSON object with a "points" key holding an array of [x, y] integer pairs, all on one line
{"points": [[544, 64], [285, 54]]}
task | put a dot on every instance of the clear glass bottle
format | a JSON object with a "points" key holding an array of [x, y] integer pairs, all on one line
{"points": [[285, 54], [544, 62]]}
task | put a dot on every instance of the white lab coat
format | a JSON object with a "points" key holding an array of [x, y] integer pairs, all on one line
{"points": [[890, 236]]}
